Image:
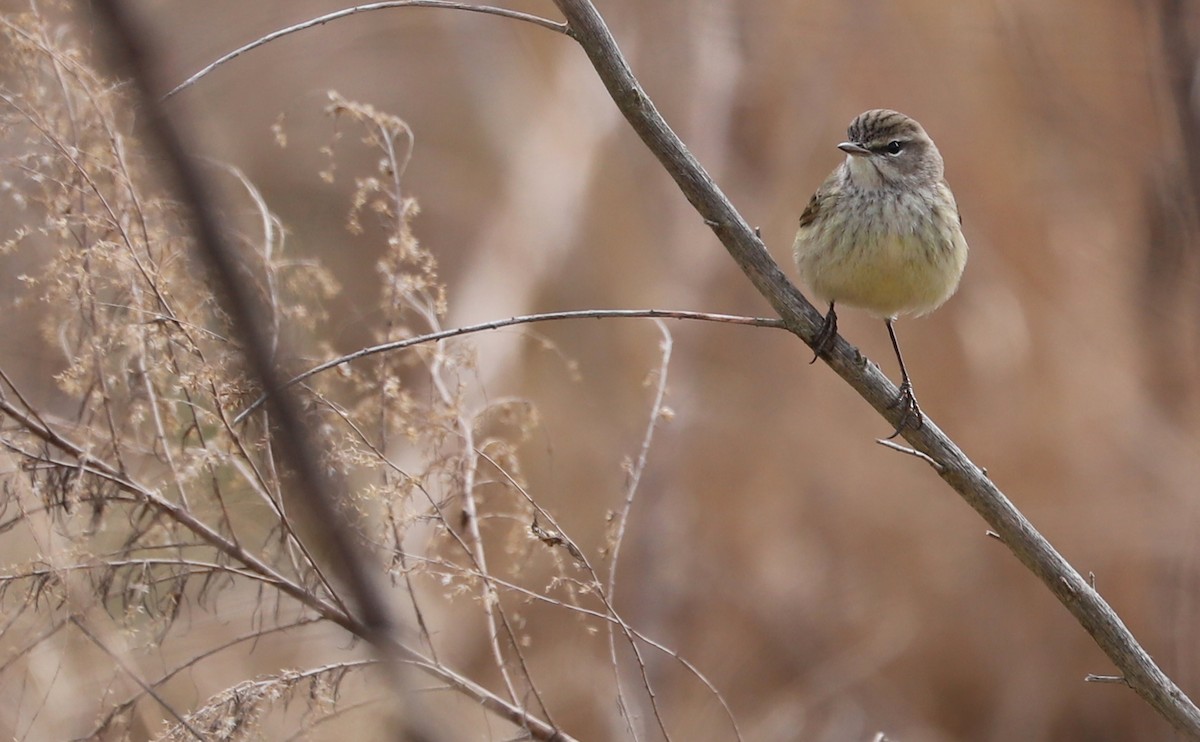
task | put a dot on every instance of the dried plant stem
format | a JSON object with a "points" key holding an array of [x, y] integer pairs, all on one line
{"points": [[744, 246], [32, 644], [146, 688], [313, 483], [489, 599], [494, 615], [622, 520], [610, 616], [85, 463]]}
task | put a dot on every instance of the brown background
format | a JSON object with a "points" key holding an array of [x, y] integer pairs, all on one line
{"points": [[830, 588]]}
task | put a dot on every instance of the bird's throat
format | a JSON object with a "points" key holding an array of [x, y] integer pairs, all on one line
{"points": [[863, 173]]}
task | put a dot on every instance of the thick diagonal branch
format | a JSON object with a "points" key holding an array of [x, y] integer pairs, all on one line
{"points": [[1030, 547]]}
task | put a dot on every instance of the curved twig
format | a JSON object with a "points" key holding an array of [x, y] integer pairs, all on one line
{"points": [[497, 324], [1018, 534], [346, 12], [622, 519]]}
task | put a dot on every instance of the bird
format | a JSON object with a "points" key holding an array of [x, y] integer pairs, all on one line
{"points": [[883, 233]]}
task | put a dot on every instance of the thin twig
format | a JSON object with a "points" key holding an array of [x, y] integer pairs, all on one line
{"points": [[16, 654], [597, 587], [910, 451], [196, 566], [326, 610], [137, 679], [88, 464], [323, 19], [466, 431], [746, 248], [536, 726], [622, 520], [192, 661], [521, 320], [610, 617], [494, 613], [131, 51], [305, 732]]}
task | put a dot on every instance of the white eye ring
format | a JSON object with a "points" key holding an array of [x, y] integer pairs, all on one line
{"points": [[894, 147]]}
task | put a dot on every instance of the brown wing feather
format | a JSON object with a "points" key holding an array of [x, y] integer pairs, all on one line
{"points": [[819, 201], [810, 211]]}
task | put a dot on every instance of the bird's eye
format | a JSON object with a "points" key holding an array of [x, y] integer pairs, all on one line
{"points": [[893, 147]]}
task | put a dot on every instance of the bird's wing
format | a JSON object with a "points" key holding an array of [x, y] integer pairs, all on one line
{"points": [[820, 200], [946, 188]]}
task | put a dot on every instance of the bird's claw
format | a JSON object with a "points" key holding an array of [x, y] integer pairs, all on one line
{"points": [[910, 411], [824, 339]]}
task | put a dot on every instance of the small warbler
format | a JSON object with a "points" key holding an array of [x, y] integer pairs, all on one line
{"points": [[883, 233]]}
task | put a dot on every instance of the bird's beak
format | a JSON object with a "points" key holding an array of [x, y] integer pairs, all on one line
{"points": [[856, 150]]}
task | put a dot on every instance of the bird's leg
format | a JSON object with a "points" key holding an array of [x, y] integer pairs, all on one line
{"points": [[906, 400], [824, 339]]}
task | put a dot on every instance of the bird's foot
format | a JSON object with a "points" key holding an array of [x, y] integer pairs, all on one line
{"points": [[824, 339], [910, 411]]}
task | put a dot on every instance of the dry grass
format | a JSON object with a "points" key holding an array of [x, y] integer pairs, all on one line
{"points": [[160, 579], [147, 510]]}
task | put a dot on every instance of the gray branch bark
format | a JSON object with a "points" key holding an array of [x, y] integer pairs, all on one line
{"points": [[1092, 612]]}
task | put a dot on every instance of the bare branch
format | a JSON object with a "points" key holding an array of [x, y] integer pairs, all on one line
{"points": [[971, 483], [521, 320], [328, 17]]}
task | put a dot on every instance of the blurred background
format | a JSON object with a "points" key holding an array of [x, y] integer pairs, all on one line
{"points": [[830, 589]]}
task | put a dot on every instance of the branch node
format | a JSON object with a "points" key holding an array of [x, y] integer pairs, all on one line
{"points": [[911, 452], [554, 538]]}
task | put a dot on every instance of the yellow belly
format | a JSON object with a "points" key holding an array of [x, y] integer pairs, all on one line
{"points": [[885, 273]]}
